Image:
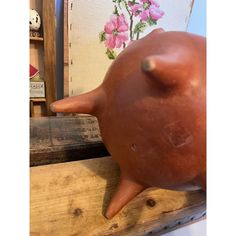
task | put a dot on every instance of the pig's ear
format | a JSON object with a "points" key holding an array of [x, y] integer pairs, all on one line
{"points": [[167, 69]]}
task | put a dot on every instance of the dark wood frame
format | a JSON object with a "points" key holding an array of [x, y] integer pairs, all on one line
{"points": [[66, 51], [49, 31]]}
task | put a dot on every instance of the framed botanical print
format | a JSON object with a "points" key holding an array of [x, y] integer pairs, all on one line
{"points": [[97, 31]]}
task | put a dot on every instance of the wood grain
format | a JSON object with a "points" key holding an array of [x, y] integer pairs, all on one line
{"points": [[38, 99], [37, 5], [38, 109], [36, 38], [66, 51], [69, 198], [66, 138], [49, 34]]}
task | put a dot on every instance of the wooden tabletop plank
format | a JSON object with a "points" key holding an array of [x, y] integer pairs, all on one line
{"points": [[65, 138], [70, 198]]}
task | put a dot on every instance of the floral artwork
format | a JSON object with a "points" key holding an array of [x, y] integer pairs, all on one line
{"points": [[128, 21]]}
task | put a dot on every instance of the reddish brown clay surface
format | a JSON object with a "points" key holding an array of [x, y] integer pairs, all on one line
{"points": [[152, 114]]}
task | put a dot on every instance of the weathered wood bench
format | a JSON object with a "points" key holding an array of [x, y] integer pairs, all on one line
{"points": [[69, 197]]}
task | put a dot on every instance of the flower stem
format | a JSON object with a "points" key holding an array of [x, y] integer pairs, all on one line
{"points": [[131, 27], [126, 7], [131, 19], [138, 33]]}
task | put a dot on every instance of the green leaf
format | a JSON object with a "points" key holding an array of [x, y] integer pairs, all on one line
{"points": [[110, 54], [140, 27], [151, 22], [102, 36], [116, 12], [146, 5]]}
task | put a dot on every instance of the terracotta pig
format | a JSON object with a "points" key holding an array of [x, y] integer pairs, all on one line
{"points": [[152, 114]]}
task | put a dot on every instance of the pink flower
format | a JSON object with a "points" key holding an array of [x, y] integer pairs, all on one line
{"points": [[116, 31], [135, 9], [154, 3], [144, 15], [148, 9], [155, 13]]}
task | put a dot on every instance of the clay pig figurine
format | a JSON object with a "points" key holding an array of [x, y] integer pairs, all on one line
{"points": [[152, 114]]}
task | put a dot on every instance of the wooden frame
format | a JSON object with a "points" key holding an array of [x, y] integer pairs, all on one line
{"points": [[74, 84], [49, 30], [66, 51]]}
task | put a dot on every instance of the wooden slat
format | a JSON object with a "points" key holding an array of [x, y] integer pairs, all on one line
{"points": [[66, 138], [38, 109], [38, 99], [66, 51], [49, 33], [69, 199], [36, 38]]}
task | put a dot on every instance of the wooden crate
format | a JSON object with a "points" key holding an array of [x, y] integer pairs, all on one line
{"points": [[70, 197]]}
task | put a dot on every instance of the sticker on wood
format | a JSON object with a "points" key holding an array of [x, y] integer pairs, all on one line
{"points": [[62, 139]]}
